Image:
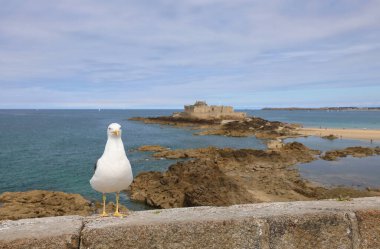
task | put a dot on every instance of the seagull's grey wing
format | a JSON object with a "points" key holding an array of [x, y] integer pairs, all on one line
{"points": [[95, 166]]}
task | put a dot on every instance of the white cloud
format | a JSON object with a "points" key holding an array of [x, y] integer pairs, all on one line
{"points": [[185, 48]]}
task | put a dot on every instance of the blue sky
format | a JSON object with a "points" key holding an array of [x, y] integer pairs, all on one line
{"points": [[163, 54]]}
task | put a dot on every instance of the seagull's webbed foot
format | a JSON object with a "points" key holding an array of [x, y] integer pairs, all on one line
{"points": [[117, 214]]}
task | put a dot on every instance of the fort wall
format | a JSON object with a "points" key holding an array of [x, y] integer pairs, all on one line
{"points": [[201, 110]]}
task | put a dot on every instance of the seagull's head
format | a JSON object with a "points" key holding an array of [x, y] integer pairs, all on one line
{"points": [[114, 130]]}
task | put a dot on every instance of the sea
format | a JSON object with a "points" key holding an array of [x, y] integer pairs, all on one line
{"points": [[56, 149]]}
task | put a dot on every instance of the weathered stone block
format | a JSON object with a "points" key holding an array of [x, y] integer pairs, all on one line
{"points": [[52, 232], [315, 230], [188, 233], [353, 224], [369, 228]]}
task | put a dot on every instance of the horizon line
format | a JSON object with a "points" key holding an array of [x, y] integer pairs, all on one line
{"points": [[237, 108]]}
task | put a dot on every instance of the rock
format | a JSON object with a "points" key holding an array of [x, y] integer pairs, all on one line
{"points": [[186, 185], [154, 148], [351, 151], [250, 126], [275, 144], [187, 153], [222, 177], [110, 208], [330, 137], [253, 126], [175, 121], [42, 203]]}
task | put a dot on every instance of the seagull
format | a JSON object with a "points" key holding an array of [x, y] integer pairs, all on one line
{"points": [[113, 171]]}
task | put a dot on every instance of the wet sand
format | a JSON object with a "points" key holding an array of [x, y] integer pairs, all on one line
{"points": [[361, 134]]}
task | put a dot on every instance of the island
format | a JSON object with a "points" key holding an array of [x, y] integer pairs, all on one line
{"points": [[223, 120]]}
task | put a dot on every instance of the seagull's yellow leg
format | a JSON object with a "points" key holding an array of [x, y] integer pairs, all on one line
{"points": [[104, 214], [117, 214]]}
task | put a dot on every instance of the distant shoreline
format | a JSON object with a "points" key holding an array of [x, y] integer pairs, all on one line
{"points": [[323, 109], [342, 133]]}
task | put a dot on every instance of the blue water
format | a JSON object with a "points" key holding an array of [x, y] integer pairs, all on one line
{"points": [[319, 143], [354, 172], [57, 149], [331, 119]]}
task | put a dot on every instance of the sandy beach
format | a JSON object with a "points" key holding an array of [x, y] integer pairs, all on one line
{"points": [[362, 134]]}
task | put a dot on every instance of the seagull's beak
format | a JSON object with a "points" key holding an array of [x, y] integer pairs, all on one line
{"points": [[116, 132]]}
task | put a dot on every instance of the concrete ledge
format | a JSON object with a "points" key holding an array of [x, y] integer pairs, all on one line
{"points": [[51, 232], [312, 224]]}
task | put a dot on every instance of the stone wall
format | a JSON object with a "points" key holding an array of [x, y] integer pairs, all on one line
{"points": [[313, 224], [201, 110]]}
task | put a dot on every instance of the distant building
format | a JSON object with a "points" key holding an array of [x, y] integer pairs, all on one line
{"points": [[200, 110]]}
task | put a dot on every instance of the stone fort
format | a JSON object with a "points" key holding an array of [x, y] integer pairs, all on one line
{"points": [[200, 110]]}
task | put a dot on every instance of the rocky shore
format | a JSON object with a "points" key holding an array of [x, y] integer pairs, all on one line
{"points": [[250, 126], [221, 177], [42, 203], [351, 151], [206, 177]]}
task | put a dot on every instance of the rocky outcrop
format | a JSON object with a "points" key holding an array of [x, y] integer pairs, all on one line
{"points": [[155, 148], [42, 203], [188, 153], [176, 121], [330, 137], [251, 126], [222, 177], [350, 151], [189, 184]]}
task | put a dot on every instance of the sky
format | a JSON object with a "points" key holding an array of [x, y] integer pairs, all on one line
{"points": [[164, 54]]}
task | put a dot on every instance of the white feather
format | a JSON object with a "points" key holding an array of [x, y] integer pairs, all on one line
{"points": [[113, 171]]}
